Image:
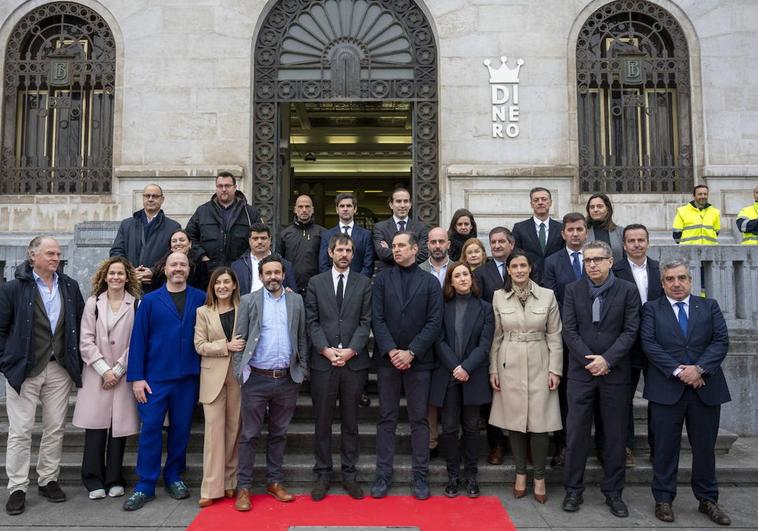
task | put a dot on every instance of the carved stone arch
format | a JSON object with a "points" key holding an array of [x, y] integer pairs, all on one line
{"points": [[332, 50]]}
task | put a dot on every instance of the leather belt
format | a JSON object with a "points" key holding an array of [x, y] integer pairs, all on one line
{"points": [[271, 373]]}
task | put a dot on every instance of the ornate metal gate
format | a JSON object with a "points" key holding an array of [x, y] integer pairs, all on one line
{"points": [[338, 50], [57, 137], [633, 107]]}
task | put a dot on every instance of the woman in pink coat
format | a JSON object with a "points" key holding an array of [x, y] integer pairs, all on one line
{"points": [[105, 405]]}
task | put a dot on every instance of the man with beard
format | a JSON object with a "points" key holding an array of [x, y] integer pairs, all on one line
{"points": [[698, 222], [270, 370], [164, 369]]}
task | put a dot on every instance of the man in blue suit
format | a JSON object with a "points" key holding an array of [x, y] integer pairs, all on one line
{"points": [[686, 340], [406, 313], [164, 369], [363, 255], [246, 266]]}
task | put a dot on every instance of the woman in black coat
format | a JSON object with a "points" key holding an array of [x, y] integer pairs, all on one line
{"points": [[460, 382]]}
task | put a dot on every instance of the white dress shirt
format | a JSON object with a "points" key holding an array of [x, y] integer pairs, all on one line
{"points": [[686, 309], [256, 282], [398, 220], [538, 222], [336, 278], [349, 228], [640, 278]]}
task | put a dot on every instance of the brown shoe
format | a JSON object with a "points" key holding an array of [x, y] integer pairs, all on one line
{"points": [[204, 502], [714, 512], [664, 512], [630, 462], [540, 498], [230, 493], [519, 493], [495, 456], [243, 502], [278, 491]]}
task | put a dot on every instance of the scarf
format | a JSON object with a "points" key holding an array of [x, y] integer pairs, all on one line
{"points": [[522, 294], [597, 294]]}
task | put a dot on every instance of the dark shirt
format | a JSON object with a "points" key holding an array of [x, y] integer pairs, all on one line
{"points": [[179, 299], [602, 235], [226, 215], [461, 302], [406, 274], [227, 323]]}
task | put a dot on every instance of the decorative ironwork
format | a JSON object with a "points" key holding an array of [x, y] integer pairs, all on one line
{"points": [[342, 50], [633, 110], [57, 129]]}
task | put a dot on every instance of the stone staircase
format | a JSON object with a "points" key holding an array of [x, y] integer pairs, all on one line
{"points": [[299, 457]]}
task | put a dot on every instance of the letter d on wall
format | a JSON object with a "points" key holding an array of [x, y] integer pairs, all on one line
{"points": [[500, 94]]}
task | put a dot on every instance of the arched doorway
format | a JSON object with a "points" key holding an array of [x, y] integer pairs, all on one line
{"points": [[343, 55]]}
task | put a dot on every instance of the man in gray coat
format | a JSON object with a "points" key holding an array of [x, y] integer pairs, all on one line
{"points": [[270, 369]]}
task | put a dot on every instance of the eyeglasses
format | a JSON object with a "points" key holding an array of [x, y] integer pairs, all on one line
{"points": [[152, 196], [597, 260]]}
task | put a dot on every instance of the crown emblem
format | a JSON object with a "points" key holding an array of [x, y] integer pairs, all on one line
{"points": [[504, 74]]}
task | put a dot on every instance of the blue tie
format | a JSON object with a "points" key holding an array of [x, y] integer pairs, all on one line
{"points": [[577, 266], [683, 320]]}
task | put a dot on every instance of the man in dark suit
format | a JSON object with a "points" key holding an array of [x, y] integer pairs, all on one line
{"points": [[644, 273], [406, 318], [338, 313], [539, 236], [490, 278], [686, 340], [363, 252], [600, 323], [384, 231], [561, 269], [246, 266]]}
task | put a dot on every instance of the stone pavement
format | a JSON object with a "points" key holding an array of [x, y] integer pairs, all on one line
{"points": [[79, 513]]}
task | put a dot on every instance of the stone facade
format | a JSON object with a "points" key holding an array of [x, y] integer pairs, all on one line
{"points": [[183, 105]]}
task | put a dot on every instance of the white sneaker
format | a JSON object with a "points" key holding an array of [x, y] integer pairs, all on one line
{"points": [[97, 494], [116, 491]]}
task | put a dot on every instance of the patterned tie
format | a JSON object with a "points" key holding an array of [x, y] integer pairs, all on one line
{"points": [[340, 291], [576, 264], [345, 228], [543, 237], [400, 226], [683, 320]]}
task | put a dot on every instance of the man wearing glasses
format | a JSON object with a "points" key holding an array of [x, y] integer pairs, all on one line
{"points": [[219, 229], [600, 323], [144, 238]]}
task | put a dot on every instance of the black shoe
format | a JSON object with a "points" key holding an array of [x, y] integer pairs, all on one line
{"points": [[52, 492], [364, 401], [380, 487], [664, 512], [434, 453], [453, 484], [572, 502], [714, 512], [178, 490], [16, 503], [617, 505], [472, 488], [420, 488], [353, 489], [319, 490]]}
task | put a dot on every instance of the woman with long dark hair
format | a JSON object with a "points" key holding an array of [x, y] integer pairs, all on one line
{"points": [[105, 406], [600, 225], [462, 227], [180, 243]]}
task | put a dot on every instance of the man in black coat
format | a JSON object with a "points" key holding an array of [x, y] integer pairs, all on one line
{"points": [[539, 236], [300, 242], [600, 323], [219, 228], [686, 341], [338, 313], [406, 318], [145, 238], [384, 231], [642, 271], [40, 312]]}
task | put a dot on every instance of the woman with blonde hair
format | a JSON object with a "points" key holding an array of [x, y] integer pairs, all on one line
{"points": [[219, 391], [473, 253], [105, 406]]}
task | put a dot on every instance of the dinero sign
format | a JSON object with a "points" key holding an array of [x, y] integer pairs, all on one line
{"points": [[504, 98]]}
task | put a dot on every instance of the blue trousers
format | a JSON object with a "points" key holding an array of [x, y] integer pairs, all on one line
{"points": [[178, 398]]}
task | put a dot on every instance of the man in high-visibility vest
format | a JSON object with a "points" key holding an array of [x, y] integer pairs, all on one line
{"points": [[747, 221], [698, 222]]}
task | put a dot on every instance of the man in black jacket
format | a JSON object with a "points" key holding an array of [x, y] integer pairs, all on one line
{"points": [[40, 311], [300, 242], [219, 228], [144, 238]]}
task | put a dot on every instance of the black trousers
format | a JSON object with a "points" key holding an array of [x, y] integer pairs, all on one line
{"points": [[455, 415], [327, 387], [612, 402], [102, 460]]}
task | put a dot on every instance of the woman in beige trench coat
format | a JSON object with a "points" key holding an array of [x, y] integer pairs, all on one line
{"points": [[105, 402], [526, 361], [220, 392]]}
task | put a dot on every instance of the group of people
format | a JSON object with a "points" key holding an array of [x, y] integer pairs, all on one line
{"points": [[549, 334]]}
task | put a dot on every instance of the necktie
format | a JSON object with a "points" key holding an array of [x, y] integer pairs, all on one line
{"points": [[683, 320], [340, 291], [401, 226], [345, 229], [577, 266], [500, 270], [543, 236]]}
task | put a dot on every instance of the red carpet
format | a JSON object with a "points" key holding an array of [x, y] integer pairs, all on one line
{"points": [[435, 514]]}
